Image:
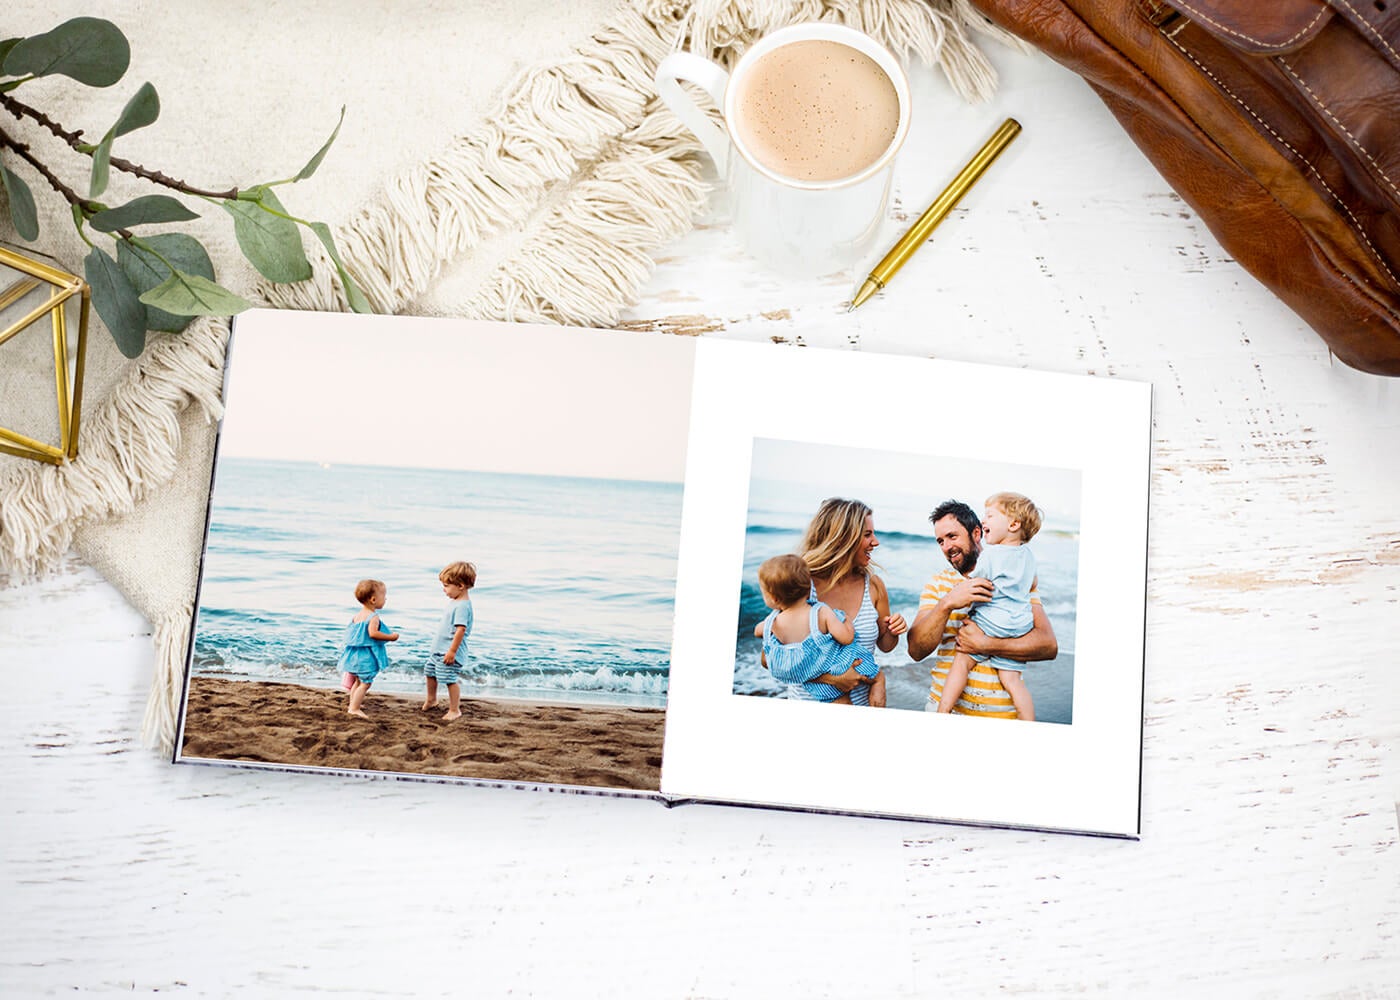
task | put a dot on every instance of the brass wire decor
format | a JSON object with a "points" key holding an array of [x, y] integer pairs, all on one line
{"points": [[35, 290]]}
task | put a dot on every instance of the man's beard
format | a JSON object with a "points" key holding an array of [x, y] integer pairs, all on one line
{"points": [[968, 562]]}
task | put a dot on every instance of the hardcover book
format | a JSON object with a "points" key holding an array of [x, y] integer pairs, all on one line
{"points": [[690, 569]]}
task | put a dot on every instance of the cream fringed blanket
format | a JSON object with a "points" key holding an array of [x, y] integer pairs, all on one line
{"points": [[580, 169]]}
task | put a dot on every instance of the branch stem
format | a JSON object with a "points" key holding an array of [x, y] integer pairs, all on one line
{"points": [[85, 206], [75, 140], [72, 197]]}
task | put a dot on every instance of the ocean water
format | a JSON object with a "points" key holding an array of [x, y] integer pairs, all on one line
{"points": [[907, 557], [575, 577]]}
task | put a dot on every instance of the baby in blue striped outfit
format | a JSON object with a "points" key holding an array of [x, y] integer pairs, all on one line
{"points": [[803, 639]]}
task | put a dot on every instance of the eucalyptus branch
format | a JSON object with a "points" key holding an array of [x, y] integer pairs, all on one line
{"points": [[160, 281], [87, 206], [75, 139]]}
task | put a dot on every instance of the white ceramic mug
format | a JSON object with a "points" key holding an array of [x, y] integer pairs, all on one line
{"points": [[795, 226]]}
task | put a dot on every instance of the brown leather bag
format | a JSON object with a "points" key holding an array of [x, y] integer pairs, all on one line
{"points": [[1278, 121]]}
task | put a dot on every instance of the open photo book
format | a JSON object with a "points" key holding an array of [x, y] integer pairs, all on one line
{"points": [[690, 569]]}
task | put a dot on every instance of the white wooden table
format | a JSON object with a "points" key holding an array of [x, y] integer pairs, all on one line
{"points": [[1268, 864]]}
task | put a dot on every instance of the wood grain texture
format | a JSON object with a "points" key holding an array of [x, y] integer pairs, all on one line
{"points": [[1268, 864]]}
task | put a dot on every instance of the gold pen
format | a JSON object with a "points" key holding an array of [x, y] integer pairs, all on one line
{"points": [[881, 274]]}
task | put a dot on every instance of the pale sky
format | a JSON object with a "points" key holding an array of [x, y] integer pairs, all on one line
{"points": [[904, 487], [458, 394]]}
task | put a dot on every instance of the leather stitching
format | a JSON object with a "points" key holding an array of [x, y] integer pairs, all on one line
{"points": [[1157, 7], [1371, 27], [1356, 225], [1180, 5], [1327, 111]]}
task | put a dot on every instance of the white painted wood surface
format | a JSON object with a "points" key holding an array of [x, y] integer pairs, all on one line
{"points": [[1268, 864]]}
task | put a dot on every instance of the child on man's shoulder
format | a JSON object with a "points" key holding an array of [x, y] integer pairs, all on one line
{"points": [[1009, 522]]}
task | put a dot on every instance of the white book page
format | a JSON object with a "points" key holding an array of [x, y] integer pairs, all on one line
{"points": [[1083, 776]]}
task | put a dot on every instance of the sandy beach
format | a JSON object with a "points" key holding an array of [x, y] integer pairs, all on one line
{"points": [[497, 740]]}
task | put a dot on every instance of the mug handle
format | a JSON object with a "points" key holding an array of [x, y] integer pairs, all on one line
{"points": [[712, 79]]}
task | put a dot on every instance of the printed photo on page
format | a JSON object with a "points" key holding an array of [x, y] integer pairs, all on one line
{"points": [[861, 582], [443, 550]]}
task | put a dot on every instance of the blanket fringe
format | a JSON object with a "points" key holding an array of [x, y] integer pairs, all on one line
{"points": [[128, 449], [554, 121], [616, 216], [162, 719]]}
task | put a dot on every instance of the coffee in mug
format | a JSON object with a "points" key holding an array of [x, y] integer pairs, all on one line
{"points": [[813, 118], [815, 110]]}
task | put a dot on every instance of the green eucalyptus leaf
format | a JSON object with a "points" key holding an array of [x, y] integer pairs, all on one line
{"points": [[5, 47], [271, 243], [22, 210], [147, 210], [101, 165], [356, 298], [141, 262], [87, 49], [116, 302], [140, 111], [192, 295], [315, 161]]}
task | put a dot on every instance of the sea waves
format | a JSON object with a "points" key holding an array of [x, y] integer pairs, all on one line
{"points": [[567, 606]]}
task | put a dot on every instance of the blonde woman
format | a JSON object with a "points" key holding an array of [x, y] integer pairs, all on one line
{"points": [[837, 548]]}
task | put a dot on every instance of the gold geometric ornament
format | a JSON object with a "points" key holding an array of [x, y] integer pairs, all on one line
{"points": [[33, 295]]}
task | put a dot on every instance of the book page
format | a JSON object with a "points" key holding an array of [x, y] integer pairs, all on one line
{"points": [[778, 431], [509, 498]]}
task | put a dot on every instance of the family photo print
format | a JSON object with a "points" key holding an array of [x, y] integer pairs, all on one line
{"points": [[889, 544]]}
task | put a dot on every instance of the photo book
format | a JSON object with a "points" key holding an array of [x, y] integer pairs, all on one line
{"points": [[690, 569]]}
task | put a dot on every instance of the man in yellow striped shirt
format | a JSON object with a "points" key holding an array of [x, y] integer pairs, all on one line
{"points": [[939, 626]]}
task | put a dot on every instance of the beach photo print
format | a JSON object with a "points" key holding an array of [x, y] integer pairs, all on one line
{"points": [[442, 549], [879, 541]]}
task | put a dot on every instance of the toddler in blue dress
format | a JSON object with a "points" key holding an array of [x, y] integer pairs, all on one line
{"points": [[365, 655], [804, 640], [1009, 521]]}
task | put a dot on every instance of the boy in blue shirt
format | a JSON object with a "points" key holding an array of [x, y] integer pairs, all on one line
{"points": [[1009, 521], [449, 649]]}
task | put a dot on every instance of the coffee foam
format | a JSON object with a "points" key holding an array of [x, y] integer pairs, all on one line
{"points": [[816, 110]]}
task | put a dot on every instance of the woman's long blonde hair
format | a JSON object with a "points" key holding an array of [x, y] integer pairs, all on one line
{"points": [[833, 537]]}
